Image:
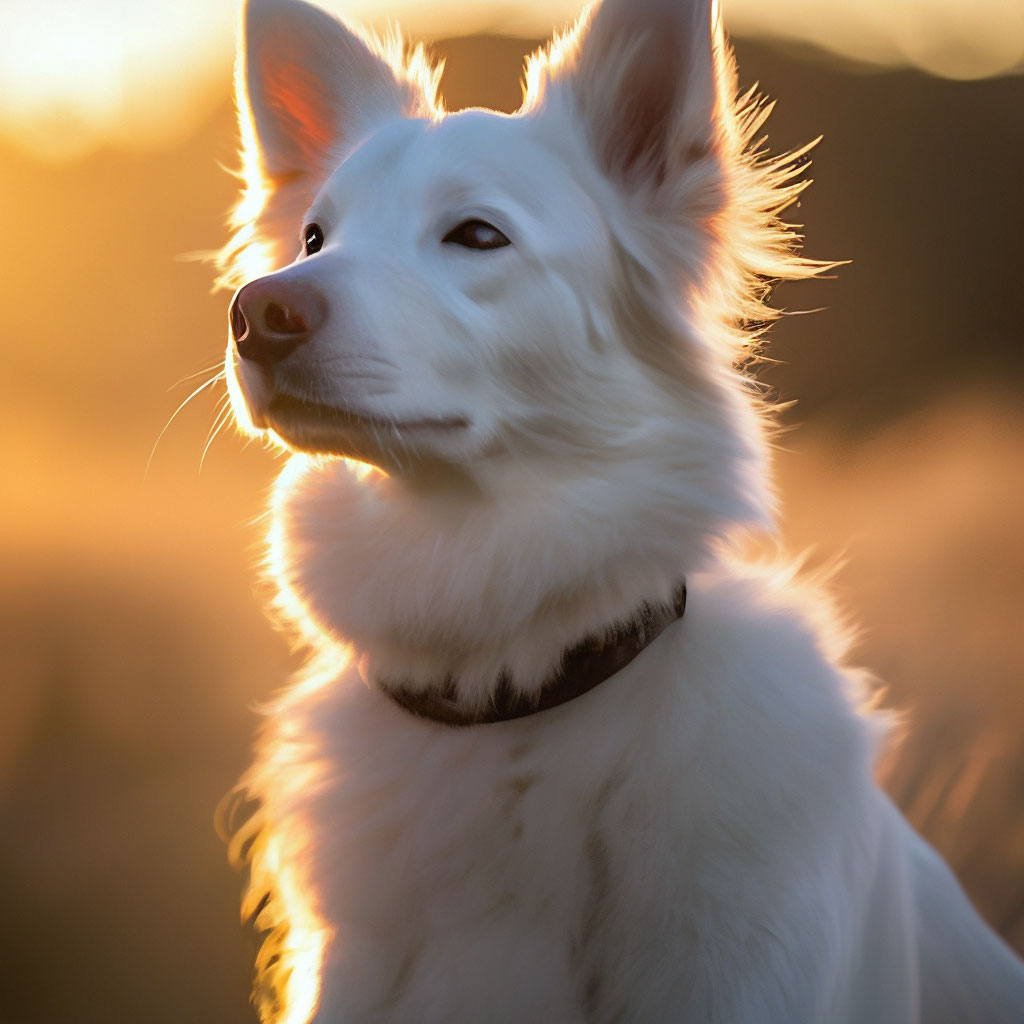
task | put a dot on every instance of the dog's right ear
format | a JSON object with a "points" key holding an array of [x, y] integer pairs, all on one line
{"points": [[642, 77], [309, 90]]}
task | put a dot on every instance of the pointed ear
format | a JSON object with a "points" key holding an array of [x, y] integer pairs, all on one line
{"points": [[314, 87], [643, 76], [309, 90]]}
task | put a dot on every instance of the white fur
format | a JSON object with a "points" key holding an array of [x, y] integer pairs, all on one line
{"points": [[699, 838]]}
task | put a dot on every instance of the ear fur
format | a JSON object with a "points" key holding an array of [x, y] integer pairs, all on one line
{"points": [[654, 84], [309, 90], [314, 87], [642, 75]]}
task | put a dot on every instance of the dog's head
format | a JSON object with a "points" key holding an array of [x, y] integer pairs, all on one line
{"points": [[457, 289]]}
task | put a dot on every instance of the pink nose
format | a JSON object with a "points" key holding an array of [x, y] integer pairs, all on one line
{"points": [[272, 316]]}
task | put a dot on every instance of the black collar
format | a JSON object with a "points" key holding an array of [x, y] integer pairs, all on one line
{"points": [[594, 659]]}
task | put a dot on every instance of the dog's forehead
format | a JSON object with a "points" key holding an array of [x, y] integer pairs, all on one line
{"points": [[485, 140], [379, 151], [414, 160]]}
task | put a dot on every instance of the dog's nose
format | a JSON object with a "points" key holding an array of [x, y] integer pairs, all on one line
{"points": [[272, 316]]}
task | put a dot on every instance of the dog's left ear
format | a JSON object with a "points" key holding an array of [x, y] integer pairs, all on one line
{"points": [[642, 75]]}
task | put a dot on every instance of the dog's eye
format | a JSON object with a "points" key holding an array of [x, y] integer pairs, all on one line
{"points": [[476, 234], [313, 239]]}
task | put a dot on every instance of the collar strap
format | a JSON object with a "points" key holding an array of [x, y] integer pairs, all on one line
{"points": [[594, 659]]}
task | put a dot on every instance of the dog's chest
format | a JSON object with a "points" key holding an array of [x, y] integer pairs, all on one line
{"points": [[509, 866], [610, 859]]}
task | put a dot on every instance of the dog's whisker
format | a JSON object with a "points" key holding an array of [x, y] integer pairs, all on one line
{"points": [[174, 415], [219, 366], [222, 419]]}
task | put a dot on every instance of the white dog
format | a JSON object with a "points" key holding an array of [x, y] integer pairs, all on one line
{"points": [[518, 783]]}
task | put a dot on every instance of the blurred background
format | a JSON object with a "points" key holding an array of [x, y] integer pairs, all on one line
{"points": [[133, 642]]}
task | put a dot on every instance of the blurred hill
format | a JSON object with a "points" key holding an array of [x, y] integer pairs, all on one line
{"points": [[133, 641]]}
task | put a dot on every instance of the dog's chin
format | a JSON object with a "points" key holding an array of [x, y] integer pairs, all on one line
{"points": [[389, 443]]}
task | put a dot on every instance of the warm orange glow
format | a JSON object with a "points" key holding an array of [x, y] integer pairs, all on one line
{"points": [[245, 257], [278, 900], [307, 939], [292, 609], [76, 76], [289, 962]]}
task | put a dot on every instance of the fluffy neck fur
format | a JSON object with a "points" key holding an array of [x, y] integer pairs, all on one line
{"points": [[499, 573]]}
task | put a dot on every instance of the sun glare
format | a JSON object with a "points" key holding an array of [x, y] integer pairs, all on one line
{"points": [[138, 75]]}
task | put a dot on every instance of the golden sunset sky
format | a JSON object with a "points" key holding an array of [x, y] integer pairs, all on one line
{"points": [[137, 73]]}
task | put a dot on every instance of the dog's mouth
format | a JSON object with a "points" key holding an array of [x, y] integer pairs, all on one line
{"points": [[322, 429]]}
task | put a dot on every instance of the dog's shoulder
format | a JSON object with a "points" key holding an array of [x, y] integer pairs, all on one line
{"points": [[776, 719], [768, 645]]}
